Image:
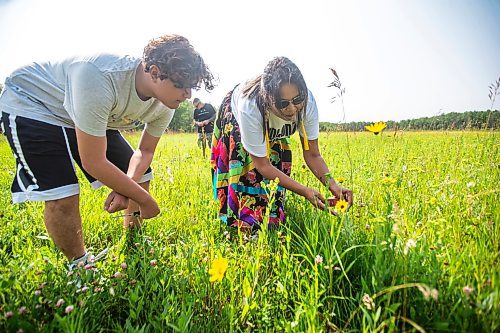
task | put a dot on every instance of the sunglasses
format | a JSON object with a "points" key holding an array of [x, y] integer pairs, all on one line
{"points": [[285, 102]]}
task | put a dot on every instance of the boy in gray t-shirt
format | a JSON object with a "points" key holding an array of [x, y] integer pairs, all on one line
{"points": [[54, 113]]}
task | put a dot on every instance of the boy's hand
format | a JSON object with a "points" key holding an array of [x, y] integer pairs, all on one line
{"points": [[149, 208], [115, 202]]}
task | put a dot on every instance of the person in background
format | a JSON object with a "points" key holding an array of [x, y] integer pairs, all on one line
{"points": [[54, 113], [203, 118], [251, 144]]}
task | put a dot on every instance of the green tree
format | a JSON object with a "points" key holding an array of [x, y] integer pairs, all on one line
{"points": [[183, 118], [448, 121]]}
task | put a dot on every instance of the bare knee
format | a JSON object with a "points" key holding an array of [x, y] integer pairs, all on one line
{"points": [[65, 205]]}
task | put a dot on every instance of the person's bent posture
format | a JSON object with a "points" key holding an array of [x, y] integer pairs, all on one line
{"points": [[251, 146], [203, 118], [57, 113]]}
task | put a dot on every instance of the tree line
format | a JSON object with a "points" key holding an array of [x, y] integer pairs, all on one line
{"points": [[489, 119]]}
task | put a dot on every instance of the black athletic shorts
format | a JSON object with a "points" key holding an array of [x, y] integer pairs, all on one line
{"points": [[44, 156]]}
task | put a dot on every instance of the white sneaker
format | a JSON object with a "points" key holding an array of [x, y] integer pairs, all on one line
{"points": [[87, 261]]}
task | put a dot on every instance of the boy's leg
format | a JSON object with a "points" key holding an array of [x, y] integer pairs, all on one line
{"points": [[209, 139], [64, 225], [200, 137], [45, 172]]}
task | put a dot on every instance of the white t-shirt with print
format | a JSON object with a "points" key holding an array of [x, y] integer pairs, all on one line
{"points": [[93, 93], [248, 116]]}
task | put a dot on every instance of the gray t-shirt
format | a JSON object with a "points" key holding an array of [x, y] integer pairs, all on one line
{"points": [[93, 93]]}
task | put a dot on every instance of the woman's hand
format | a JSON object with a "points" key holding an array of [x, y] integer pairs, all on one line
{"points": [[315, 197], [342, 193], [115, 202]]}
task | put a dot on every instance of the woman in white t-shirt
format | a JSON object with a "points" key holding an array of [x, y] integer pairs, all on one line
{"points": [[251, 145]]}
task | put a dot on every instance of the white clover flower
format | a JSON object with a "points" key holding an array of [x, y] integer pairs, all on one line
{"points": [[368, 302], [410, 243], [467, 290]]}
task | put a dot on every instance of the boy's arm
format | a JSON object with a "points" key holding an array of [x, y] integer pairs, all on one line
{"points": [[142, 157], [92, 151], [139, 163]]}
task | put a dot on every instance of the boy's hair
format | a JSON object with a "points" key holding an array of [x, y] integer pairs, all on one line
{"points": [[178, 61], [196, 100]]}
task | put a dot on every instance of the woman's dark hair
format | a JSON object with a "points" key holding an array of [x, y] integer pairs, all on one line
{"points": [[265, 88], [178, 61]]}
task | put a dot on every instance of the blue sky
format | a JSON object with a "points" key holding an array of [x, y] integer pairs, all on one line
{"points": [[396, 59]]}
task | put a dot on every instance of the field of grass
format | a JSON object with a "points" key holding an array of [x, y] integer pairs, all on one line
{"points": [[418, 251]]}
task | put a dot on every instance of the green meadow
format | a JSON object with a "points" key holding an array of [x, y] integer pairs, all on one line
{"points": [[417, 252]]}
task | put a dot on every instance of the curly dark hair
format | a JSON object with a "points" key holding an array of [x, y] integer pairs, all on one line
{"points": [[178, 61], [265, 88]]}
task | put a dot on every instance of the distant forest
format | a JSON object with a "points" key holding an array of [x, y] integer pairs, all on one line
{"points": [[470, 120], [183, 121], [449, 121]]}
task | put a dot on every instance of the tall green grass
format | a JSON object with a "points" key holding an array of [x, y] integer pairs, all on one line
{"points": [[418, 251]]}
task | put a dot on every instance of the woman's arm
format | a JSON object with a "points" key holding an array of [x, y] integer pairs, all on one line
{"points": [[267, 170], [318, 167]]}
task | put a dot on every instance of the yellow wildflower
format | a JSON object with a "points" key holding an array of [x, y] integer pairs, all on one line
{"points": [[219, 267], [376, 128], [340, 180], [247, 201], [388, 180], [341, 205], [228, 128]]}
